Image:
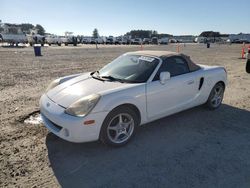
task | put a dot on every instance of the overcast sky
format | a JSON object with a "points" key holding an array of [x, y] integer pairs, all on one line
{"points": [[116, 17]]}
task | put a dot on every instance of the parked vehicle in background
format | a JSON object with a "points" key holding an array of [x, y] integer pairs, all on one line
{"points": [[93, 40], [184, 38], [53, 39], [98, 40], [200, 40], [35, 39], [146, 41], [173, 41], [136, 41], [102, 40], [117, 40], [69, 38], [154, 40], [164, 40], [66, 40], [86, 40], [12, 34], [240, 38], [13, 38], [125, 40], [110, 40], [240, 41]]}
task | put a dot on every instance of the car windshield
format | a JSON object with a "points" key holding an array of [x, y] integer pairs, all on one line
{"points": [[129, 68]]}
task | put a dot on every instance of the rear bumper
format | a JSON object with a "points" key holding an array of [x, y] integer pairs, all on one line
{"points": [[68, 127]]}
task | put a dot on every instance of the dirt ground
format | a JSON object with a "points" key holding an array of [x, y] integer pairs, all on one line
{"points": [[194, 148]]}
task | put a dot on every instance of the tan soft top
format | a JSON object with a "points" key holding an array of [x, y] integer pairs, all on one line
{"points": [[166, 54], [155, 53]]}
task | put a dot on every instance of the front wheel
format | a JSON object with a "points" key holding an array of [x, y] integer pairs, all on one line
{"points": [[216, 96], [119, 126]]}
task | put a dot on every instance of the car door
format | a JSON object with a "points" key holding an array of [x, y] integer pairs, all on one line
{"points": [[176, 94]]}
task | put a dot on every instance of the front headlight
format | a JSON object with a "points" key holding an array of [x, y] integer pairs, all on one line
{"points": [[83, 106], [53, 84]]}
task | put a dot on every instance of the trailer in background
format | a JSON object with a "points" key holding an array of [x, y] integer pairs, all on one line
{"points": [[12, 34]]}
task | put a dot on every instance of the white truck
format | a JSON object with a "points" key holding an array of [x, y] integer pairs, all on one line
{"points": [[86, 40], [200, 39], [53, 39], [12, 34], [35, 39], [164, 40]]}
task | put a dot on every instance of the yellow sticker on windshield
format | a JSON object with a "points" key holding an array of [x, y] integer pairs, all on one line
{"points": [[149, 59]]}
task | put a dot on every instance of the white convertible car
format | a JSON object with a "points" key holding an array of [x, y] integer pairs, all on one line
{"points": [[134, 89]]}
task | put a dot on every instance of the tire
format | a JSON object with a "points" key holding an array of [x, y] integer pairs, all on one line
{"points": [[216, 96], [119, 126]]}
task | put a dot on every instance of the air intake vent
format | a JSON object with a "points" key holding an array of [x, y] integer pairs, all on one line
{"points": [[201, 83]]}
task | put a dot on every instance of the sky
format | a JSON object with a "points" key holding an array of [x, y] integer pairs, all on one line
{"points": [[116, 17]]}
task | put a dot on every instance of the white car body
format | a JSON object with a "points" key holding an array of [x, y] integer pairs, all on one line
{"points": [[153, 99]]}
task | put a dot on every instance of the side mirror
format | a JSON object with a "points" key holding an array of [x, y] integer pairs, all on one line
{"points": [[164, 76]]}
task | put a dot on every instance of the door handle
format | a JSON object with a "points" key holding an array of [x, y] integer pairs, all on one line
{"points": [[190, 82]]}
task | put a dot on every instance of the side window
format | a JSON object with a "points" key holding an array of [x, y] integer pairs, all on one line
{"points": [[180, 67], [175, 65]]}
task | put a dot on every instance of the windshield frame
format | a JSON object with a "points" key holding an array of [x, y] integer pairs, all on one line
{"points": [[156, 68], [150, 78]]}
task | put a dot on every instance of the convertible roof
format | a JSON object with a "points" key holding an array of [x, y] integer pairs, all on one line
{"points": [[155, 53], [165, 54]]}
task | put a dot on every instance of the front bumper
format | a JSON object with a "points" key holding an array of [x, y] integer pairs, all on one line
{"points": [[68, 127]]}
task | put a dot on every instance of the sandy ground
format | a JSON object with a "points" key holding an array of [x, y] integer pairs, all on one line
{"points": [[195, 148]]}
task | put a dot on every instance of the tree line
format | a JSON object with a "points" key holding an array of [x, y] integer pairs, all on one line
{"points": [[146, 34], [138, 34], [212, 34], [152, 33], [27, 27]]}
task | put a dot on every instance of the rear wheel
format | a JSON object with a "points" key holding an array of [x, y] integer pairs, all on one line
{"points": [[119, 126], [216, 96]]}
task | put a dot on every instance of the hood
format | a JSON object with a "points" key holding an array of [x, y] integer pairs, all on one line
{"points": [[70, 91]]}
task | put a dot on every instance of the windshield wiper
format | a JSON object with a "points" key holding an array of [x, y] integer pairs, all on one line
{"points": [[95, 72], [112, 78], [95, 75]]}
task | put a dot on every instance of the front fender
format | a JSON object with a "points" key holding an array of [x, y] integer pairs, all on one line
{"points": [[111, 101]]}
